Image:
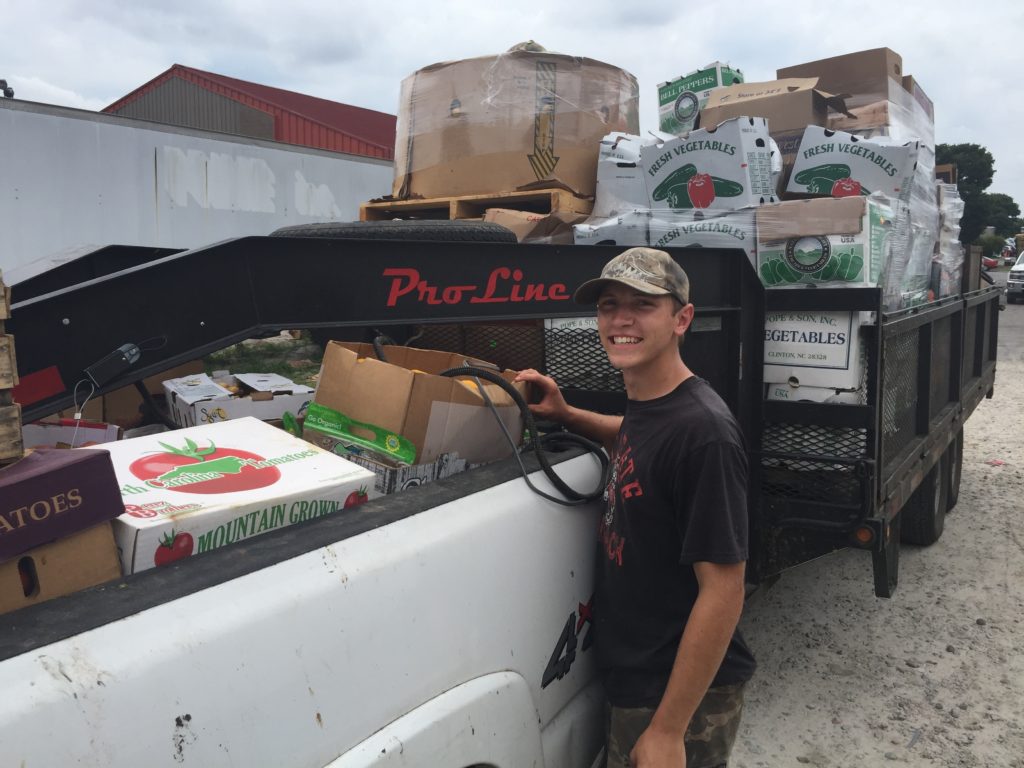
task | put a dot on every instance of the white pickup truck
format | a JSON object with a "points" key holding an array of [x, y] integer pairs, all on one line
{"points": [[448, 625]]}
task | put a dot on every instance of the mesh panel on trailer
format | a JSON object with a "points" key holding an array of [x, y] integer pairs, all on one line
{"points": [[899, 395], [970, 342], [942, 331], [574, 357], [513, 346], [810, 474]]}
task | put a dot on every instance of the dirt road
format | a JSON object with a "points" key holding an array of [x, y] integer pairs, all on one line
{"points": [[933, 676]]}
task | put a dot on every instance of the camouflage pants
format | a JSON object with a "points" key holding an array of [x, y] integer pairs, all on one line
{"points": [[709, 737]]}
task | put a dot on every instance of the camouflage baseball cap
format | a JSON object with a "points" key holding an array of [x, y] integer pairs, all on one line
{"points": [[644, 269]]}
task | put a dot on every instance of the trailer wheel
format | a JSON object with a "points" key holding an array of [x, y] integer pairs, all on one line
{"points": [[435, 231], [954, 468], [924, 515]]}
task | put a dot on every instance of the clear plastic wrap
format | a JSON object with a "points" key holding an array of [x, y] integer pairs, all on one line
{"points": [[493, 124]]}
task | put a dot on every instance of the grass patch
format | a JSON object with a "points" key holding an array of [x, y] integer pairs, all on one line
{"points": [[297, 359]]}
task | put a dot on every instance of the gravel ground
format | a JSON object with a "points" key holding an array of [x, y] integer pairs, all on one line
{"points": [[933, 676]]}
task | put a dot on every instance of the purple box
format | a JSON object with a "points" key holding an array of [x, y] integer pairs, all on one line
{"points": [[53, 492]]}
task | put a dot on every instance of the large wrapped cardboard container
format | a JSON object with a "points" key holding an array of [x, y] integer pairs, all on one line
{"points": [[681, 100], [501, 123], [198, 489], [705, 229], [54, 492], [77, 561], [833, 241], [404, 411]]}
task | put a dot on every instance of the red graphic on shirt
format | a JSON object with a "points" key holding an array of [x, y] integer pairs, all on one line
{"points": [[622, 485]]}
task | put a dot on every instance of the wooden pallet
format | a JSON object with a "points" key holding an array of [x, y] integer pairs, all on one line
{"points": [[11, 446], [473, 206]]}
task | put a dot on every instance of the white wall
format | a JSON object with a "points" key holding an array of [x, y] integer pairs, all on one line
{"points": [[71, 178]]}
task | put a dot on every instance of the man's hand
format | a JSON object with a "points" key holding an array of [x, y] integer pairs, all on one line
{"points": [[658, 749], [552, 405]]}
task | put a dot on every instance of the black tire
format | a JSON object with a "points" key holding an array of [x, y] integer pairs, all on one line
{"points": [[923, 518], [954, 469], [435, 231]]}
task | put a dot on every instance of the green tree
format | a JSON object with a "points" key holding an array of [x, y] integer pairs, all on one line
{"points": [[974, 169], [1003, 213]]}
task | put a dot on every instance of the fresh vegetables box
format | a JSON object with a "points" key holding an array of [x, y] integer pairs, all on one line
{"points": [[726, 167], [197, 489]]}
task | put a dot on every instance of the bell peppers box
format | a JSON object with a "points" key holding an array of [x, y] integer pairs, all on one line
{"points": [[681, 100], [838, 164], [199, 399], [54, 492], [404, 411], [197, 489], [724, 168], [813, 349], [77, 561], [830, 241]]}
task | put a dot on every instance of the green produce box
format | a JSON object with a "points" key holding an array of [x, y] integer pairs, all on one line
{"points": [[681, 100]]}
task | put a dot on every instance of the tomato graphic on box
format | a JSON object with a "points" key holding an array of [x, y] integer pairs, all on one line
{"points": [[173, 547], [846, 188], [191, 469], [701, 188], [356, 498]]}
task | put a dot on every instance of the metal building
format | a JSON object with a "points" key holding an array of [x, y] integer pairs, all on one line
{"points": [[195, 99]]}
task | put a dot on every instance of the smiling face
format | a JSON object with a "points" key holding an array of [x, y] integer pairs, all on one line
{"points": [[641, 332]]}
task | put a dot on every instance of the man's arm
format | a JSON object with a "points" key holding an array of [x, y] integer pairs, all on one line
{"points": [[712, 622], [552, 406]]}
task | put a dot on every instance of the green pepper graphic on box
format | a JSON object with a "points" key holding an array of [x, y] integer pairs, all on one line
{"points": [[686, 188]]}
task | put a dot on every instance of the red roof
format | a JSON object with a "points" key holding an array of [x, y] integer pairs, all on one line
{"points": [[376, 129]]}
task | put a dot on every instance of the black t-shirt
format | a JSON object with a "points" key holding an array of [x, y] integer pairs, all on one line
{"points": [[677, 496]]}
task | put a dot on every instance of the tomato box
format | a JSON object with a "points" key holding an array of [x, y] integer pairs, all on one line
{"points": [[723, 168], [838, 164], [54, 492], [197, 489], [77, 561], [199, 399]]}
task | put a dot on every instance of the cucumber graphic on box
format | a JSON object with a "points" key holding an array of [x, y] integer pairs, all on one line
{"points": [[832, 179], [686, 188]]}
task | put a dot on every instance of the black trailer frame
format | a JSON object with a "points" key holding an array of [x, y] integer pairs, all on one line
{"points": [[823, 476]]}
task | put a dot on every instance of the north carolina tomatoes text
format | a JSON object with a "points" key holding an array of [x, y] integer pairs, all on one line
{"points": [[504, 284]]}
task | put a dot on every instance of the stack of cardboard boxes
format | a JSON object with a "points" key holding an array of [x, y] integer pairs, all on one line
{"points": [[824, 177]]}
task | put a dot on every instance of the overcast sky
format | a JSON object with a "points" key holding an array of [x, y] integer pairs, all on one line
{"points": [[968, 56]]}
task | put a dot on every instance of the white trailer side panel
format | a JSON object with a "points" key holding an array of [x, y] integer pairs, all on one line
{"points": [[71, 178]]}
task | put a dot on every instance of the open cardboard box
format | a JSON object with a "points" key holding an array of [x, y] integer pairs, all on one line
{"points": [[199, 399], [405, 411]]}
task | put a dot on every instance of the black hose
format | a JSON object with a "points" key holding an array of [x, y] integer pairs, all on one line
{"points": [[540, 442], [378, 345]]}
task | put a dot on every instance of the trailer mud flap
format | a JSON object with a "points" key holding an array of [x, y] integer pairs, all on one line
{"points": [[885, 557]]}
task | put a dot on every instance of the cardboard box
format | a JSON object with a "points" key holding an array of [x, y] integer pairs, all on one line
{"points": [[863, 75], [77, 561], [52, 493], [405, 410], [620, 180], [839, 164], [911, 86], [627, 229], [549, 228], [700, 229], [69, 433], [813, 349], [802, 394], [832, 241], [197, 489], [499, 123], [681, 100], [198, 399], [724, 168]]}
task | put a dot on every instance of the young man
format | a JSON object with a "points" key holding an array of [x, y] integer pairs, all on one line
{"points": [[673, 539]]}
